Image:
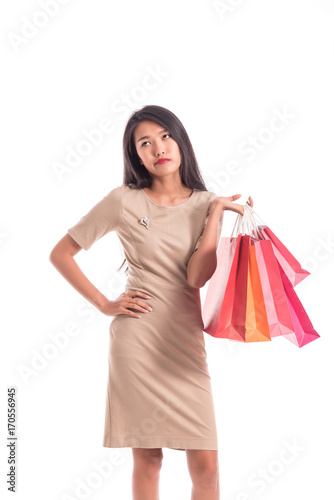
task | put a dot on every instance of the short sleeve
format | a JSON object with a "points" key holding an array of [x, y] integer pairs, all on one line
{"points": [[100, 220], [220, 226]]}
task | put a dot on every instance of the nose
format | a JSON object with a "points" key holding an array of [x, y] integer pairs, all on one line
{"points": [[159, 148]]}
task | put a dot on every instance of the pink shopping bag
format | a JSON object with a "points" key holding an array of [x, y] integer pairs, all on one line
{"points": [[217, 284], [276, 302], [303, 328]]}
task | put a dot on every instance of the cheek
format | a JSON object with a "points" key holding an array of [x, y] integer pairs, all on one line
{"points": [[175, 150]]}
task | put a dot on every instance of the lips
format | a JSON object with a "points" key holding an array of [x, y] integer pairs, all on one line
{"points": [[162, 160]]}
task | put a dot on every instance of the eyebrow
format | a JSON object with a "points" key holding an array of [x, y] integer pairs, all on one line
{"points": [[147, 136]]}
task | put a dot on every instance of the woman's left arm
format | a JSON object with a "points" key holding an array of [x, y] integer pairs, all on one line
{"points": [[203, 262]]}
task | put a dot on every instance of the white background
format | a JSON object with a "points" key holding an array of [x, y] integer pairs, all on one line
{"points": [[225, 71]]}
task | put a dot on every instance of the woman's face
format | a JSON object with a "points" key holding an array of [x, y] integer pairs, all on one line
{"points": [[153, 142]]}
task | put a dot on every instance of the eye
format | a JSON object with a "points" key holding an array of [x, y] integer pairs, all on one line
{"points": [[162, 136]]}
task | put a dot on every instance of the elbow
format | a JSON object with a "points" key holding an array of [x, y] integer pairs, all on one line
{"points": [[196, 282], [199, 274], [201, 279], [197, 285], [66, 247], [53, 257]]}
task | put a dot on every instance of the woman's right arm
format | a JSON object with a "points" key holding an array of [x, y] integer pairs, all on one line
{"points": [[62, 258]]}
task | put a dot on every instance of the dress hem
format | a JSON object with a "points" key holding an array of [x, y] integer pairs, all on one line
{"points": [[162, 442]]}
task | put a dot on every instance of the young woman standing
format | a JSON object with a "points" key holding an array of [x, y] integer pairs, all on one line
{"points": [[159, 387]]}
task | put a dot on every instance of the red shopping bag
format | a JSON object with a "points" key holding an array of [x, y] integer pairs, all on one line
{"points": [[294, 272], [235, 323], [222, 285], [226, 309], [289, 263]]}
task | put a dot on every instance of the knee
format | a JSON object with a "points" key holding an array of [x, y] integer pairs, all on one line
{"points": [[148, 461], [206, 477]]}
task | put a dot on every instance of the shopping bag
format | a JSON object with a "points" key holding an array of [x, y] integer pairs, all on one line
{"points": [[243, 315], [234, 307], [232, 320], [289, 263], [224, 275], [256, 326], [217, 284], [276, 303], [304, 331], [292, 320], [225, 309], [257, 300]]}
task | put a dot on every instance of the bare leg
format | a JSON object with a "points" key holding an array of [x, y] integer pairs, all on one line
{"points": [[147, 463], [204, 472]]}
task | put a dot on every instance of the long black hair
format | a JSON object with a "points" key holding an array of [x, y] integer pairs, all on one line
{"points": [[135, 175]]}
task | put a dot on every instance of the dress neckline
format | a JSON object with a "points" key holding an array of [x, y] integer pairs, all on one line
{"points": [[167, 206]]}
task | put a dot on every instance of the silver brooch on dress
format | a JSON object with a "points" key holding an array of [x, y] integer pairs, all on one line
{"points": [[146, 221]]}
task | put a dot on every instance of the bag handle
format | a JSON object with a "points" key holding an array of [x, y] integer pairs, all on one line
{"points": [[254, 214], [253, 222], [248, 220], [247, 223], [250, 223], [241, 224]]}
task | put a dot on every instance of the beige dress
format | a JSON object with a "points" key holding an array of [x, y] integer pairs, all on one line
{"points": [[159, 387]]}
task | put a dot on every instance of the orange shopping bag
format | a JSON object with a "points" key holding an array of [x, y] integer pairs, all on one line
{"points": [[256, 326]]}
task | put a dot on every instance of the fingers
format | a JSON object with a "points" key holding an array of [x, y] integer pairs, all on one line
{"points": [[141, 305], [131, 313], [136, 304], [250, 201], [141, 294], [236, 196]]}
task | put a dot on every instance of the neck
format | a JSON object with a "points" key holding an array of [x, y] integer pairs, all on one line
{"points": [[169, 187]]}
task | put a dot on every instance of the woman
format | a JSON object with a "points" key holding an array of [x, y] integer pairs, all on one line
{"points": [[159, 387]]}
